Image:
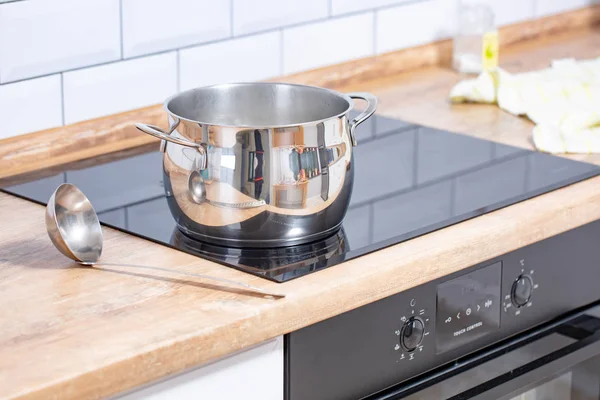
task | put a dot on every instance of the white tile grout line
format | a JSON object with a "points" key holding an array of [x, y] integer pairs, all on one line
{"points": [[281, 50], [102, 64], [231, 18], [224, 39], [374, 32], [62, 98], [121, 26], [178, 72]]}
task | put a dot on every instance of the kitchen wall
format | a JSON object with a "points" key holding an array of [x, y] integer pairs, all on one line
{"points": [[63, 61]]}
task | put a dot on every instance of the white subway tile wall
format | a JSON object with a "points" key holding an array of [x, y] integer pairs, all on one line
{"points": [[63, 61], [260, 15], [414, 24], [339, 7], [30, 105], [508, 12], [250, 58], [42, 37], [550, 7], [150, 26], [316, 45], [111, 88]]}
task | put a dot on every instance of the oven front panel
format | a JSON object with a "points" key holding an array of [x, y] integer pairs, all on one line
{"points": [[366, 350]]}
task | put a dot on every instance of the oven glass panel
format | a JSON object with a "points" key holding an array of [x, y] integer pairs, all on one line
{"points": [[557, 388], [579, 382]]}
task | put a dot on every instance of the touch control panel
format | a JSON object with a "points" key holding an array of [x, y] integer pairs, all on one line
{"points": [[468, 307]]}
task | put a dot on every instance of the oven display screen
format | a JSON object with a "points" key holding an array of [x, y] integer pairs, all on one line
{"points": [[468, 307]]}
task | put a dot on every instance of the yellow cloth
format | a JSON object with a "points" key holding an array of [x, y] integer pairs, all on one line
{"points": [[563, 101]]}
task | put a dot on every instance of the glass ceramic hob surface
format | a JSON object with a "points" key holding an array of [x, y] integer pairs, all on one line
{"points": [[409, 180]]}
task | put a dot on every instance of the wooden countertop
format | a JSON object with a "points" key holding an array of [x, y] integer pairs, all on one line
{"points": [[74, 332]]}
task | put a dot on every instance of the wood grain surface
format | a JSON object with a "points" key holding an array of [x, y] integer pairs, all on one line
{"points": [[421, 96], [83, 333], [26, 154]]}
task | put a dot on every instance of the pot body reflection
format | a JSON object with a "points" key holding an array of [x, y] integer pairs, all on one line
{"points": [[264, 187]]}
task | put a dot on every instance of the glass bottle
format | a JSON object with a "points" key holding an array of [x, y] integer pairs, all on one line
{"points": [[476, 40]]}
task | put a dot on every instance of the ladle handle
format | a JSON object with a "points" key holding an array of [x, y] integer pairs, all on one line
{"points": [[212, 278]]}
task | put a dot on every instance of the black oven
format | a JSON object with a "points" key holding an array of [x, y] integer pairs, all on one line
{"points": [[525, 325]]}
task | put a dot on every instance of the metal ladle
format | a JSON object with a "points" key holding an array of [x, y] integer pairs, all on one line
{"points": [[196, 187], [74, 229]]}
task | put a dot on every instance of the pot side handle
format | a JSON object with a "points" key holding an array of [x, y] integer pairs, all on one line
{"points": [[362, 117], [159, 133]]}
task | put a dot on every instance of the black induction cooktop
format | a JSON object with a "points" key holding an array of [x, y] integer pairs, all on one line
{"points": [[409, 180]]}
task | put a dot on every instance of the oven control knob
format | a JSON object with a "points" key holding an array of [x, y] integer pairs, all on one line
{"points": [[412, 334], [521, 290]]}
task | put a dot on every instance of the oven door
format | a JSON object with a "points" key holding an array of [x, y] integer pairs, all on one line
{"points": [[560, 361]]}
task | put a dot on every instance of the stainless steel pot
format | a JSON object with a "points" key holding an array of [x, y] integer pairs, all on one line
{"points": [[259, 164]]}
